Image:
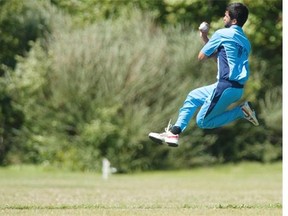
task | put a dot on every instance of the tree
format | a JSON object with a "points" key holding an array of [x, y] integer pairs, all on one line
{"points": [[20, 22]]}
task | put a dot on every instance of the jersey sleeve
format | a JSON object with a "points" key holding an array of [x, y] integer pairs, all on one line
{"points": [[211, 46]]}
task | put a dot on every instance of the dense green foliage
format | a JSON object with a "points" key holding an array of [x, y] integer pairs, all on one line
{"points": [[88, 85], [20, 22]]}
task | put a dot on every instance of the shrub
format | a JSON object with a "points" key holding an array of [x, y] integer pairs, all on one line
{"points": [[97, 91]]}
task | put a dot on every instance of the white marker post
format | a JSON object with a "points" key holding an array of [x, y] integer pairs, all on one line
{"points": [[107, 169]]}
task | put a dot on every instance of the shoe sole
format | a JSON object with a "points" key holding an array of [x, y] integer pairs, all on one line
{"points": [[172, 144], [160, 142], [249, 112], [155, 140]]}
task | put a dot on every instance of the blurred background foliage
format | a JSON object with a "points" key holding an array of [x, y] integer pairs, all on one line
{"points": [[83, 80]]}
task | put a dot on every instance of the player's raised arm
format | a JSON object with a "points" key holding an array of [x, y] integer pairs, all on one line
{"points": [[204, 30]]}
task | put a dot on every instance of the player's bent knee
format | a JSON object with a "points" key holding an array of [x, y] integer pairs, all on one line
{"points": [[203, 124], [200, 123]]}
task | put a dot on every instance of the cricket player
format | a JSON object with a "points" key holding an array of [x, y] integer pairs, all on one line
{"points": [[230, 48]]}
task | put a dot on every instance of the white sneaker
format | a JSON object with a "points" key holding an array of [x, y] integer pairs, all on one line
{"points": [[166, 137], [249, 113]]}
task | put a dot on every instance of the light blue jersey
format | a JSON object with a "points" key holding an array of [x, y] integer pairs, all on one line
{"points": [[233, 48]]}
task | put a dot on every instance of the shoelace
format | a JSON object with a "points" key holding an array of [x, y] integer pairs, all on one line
{"points": [[168, 126]]}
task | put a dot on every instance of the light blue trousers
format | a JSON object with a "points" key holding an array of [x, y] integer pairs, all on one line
{"points": [[213, 101]]}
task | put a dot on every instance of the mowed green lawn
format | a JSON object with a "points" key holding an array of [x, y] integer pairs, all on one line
{"points": [[241, 189]]}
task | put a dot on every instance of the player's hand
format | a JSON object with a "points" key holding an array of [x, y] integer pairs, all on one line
{"points": [[203, 31], [203, 34]]}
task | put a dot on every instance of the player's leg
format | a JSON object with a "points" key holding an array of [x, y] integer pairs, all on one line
{"points": [[214, 114], [194, 100]]}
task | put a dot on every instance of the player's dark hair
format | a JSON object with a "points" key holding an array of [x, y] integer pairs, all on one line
{"points": [[239, 12]]}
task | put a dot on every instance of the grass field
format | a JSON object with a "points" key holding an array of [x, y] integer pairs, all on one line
{"points": [[243, 189]]}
